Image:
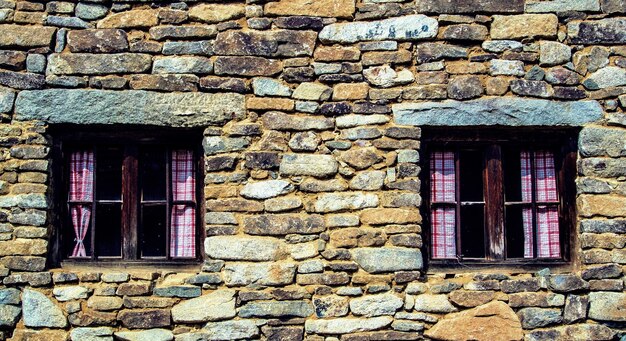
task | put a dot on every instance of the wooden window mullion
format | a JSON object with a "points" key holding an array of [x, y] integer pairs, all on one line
{"points": [[168, 205], [494, 200], [533, 196], [457, 194], [130, 203], [93, 204]]}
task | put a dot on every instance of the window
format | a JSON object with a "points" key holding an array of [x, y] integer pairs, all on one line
{"points": [[500, 198], [130, 200]]}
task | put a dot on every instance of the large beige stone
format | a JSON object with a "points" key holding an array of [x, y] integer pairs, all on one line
{"points": [[23, 247], [493, 321], [524, 26], [216, 306], [25, 36], [131, 19], [317, 8], [602, 205], [214, 13]]}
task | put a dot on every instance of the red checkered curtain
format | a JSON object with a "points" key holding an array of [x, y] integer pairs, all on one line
{"points": [[183, 215], [81, 197], [443, 190], [547, 216]]}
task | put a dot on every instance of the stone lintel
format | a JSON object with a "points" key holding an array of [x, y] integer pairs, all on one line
{"points": [[502, 111], [59, 106]]}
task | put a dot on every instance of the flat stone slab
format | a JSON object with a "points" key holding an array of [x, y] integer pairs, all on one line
{"points": [[128, 107], [410, 27], [503, 111]]}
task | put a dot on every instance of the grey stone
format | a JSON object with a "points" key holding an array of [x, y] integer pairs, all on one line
{"points": [[610, 76], [216, 306], [368, 181], [229, 330], [603, 226], [145, 335], [430, 52], [10, 296], [97, 64], [524, 87], [266, 189], [605, 31], [499, 46], [503, 67], [202, 48], [465, 87], [283, 224], [243, 248], [376, 305], [411, 27], [216, 144], [535, 6], [613, 6], [554, 53], [602, 141], [537, 317], [115, 277], [492, 6], [567, 283], [279, 309], [92, 334], [70, 293], [183, 64], [9, 315], [575, 308], [90, 11], [184, 291], [70, 22], [498, 111], [433, 304], [348, 121], [607, 306], [39, 311], [387, 259], [36, 63], [7, 98], [183, 32], [306, 141], [334, 202], [270, 87], [128, 107], [346, 325], [384, 76], [280, 121], [270, 274], [312, 92], [313, 165]]}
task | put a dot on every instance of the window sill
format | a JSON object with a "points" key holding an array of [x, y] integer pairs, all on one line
{"points": [[118, 264], [509, 266]]}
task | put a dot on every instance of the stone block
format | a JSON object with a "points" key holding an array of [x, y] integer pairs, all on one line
{"points": [[411, 27], [387, 259], [524, 26], [322, 8]]}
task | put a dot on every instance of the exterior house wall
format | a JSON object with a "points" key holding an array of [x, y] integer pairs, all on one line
{"points": [[312, 114]]}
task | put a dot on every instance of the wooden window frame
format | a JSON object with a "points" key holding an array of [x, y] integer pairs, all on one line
{"points": [[130, 140], [562, 141]]}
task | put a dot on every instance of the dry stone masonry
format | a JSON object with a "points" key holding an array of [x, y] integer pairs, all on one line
{"points": [[312, 113]]}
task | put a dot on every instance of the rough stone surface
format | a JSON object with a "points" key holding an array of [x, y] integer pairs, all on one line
{"points": [[523, 26], [507, 112], [39, 311], [346, 325], [413, 27], [25, 36], [377, 260], [266, 189], [313, 165], [492, 321], [323, 8], [242, 248], [605, 31], [376, 305], [216, 306], [146, 335], [129, 107], [270, 274], [607, 306]]}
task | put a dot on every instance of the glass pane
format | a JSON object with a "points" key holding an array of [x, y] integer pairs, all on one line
{"points": [[109, 173], [512, 175], [471, 169], [473, 231], [152, 164], [109, 230], [153, 230], [515, 232]]}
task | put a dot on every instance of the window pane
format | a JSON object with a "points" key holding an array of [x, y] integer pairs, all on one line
{"points": [[473, 231], [154, 231], [515, 232], [109, 229], [109, 173], [471, 174], [512, 176], [152, 165]]}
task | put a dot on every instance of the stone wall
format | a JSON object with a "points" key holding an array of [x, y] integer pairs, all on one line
{"points": [[313, 113]]}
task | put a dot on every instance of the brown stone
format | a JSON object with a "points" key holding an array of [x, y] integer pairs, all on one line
{"points": [[387, 57], [247, 66], [133, 289], [524, 26], [130, 19], [490, 322], [98, 64], [26, 36], [470, 6], [465, 32], [39, 335], [382, 216], [224, 84], [97, 41], [471, 298], [353, 91], [144, 319], [164, 82], [148, 302], [361, 158], [183, 32], [234, 205], [215, 13], [21, 80], [25, 247], [602, 205], [12, 60], [266, 103], [333, 54], [91, 318], [278, 43], [319, 8]]}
